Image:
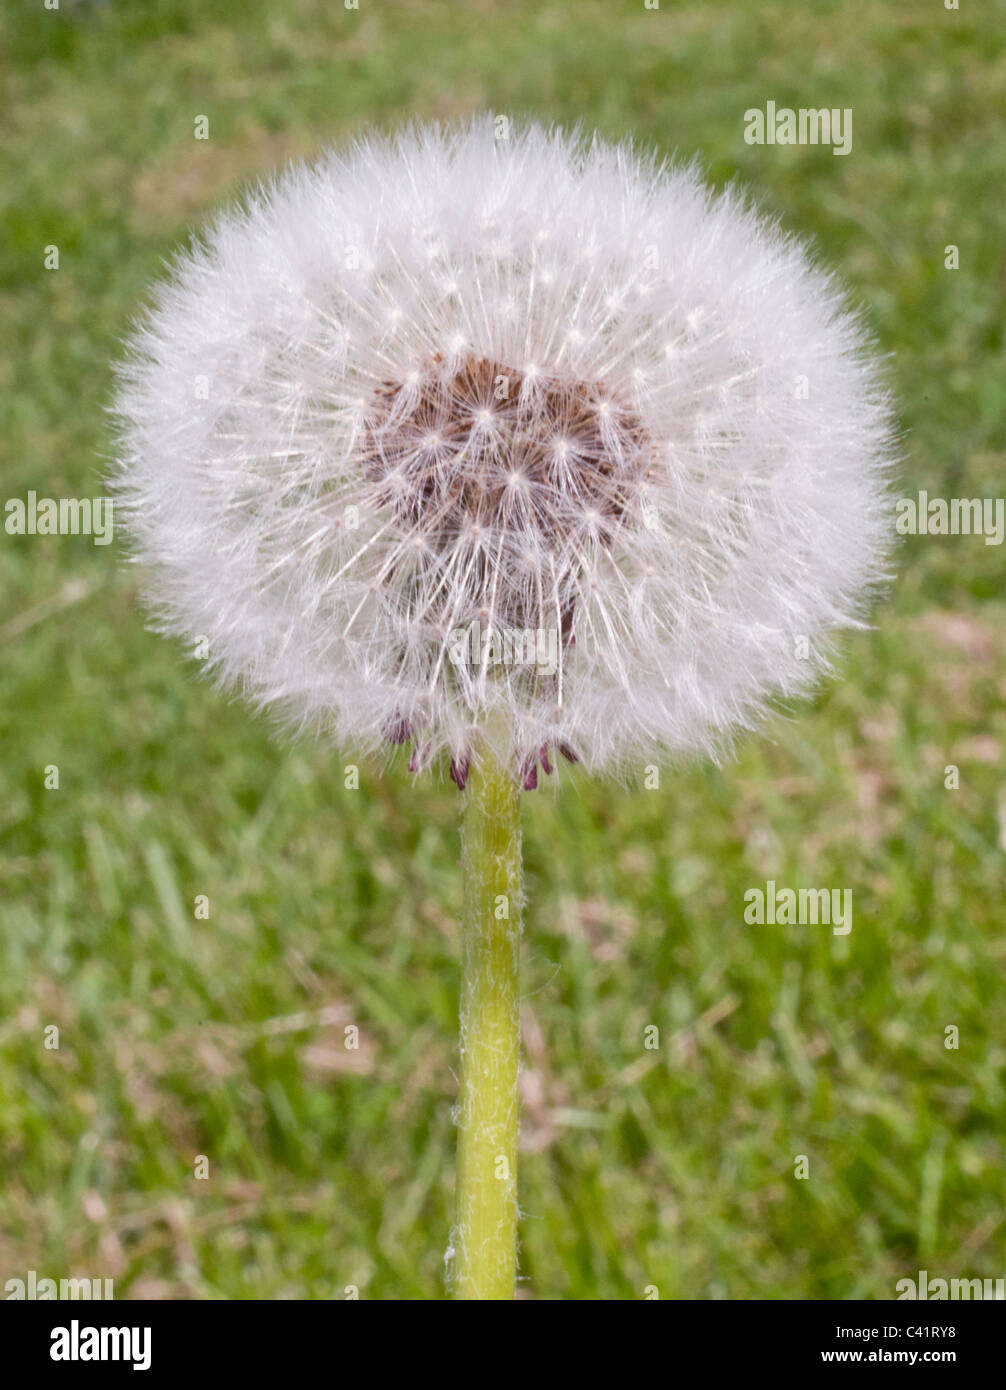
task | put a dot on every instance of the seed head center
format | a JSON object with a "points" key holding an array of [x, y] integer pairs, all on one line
{"points": [[479, 446]]}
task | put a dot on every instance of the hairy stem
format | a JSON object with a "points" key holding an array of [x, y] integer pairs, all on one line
{"points": [[485, 1234]]}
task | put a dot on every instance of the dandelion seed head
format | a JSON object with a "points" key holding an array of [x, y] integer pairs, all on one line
{"points": [[449, 387]]}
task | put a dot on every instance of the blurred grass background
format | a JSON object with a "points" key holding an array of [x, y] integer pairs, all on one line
{"points": [[181, 1037]]}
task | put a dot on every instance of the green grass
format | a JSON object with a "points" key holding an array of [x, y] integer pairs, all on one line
{"points": [[181, 1037]]}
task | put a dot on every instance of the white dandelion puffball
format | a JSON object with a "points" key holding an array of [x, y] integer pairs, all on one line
{"points": [[452, 438]]}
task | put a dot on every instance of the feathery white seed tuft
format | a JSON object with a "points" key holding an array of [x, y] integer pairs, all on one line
{"points": [[542, 392]]}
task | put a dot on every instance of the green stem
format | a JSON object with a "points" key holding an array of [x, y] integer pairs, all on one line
{"points": [[485, 1235]]}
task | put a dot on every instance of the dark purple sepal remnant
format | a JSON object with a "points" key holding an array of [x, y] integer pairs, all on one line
{"points": [[420, 752], [568, 753], [460, 768], [546, 766], [399, 731], [529, 774]]}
